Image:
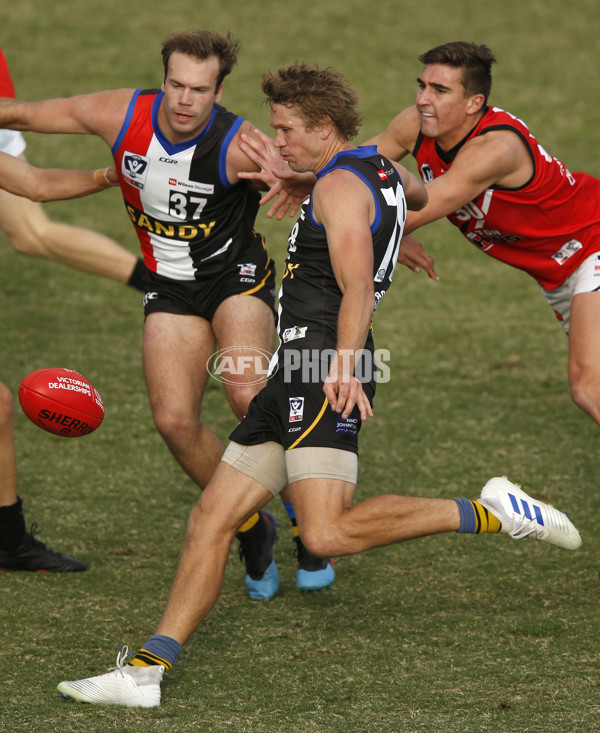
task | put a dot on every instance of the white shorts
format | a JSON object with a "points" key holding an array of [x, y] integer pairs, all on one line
{"points": [[12, 142], [585, 279]]}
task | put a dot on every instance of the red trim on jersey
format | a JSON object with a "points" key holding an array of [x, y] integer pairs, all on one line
{"points": [[137, 138], [7, 88], [546, 228]]}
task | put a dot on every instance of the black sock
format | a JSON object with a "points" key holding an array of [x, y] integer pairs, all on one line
{"points": [[136, 279], [12, 526]]}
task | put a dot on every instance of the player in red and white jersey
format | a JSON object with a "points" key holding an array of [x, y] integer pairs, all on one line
{"points": [[191, 219], [31, 232], [490, 177], [545, 227], [208, 279]]}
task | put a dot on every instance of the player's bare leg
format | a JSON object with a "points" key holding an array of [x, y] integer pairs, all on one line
{"points": [[32, 232], [8, 460], [584, 353], [246, 326], [228, 501], [174, 352], [331, 525]]}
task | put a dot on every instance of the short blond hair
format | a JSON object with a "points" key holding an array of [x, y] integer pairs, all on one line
{"points": [[315, 93]]}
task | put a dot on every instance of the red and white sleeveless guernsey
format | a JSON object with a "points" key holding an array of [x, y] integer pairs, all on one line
{"points": [[547, 227], [191, 221]]}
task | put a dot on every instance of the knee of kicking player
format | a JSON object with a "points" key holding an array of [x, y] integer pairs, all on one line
{"points": [[327, 540], [210, 522]]}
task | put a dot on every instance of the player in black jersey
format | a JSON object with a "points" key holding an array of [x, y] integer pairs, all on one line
{"points": [[209, 278], [342, 252]]}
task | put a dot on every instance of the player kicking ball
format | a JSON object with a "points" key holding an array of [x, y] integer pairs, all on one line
{"points": [[341, 256]]}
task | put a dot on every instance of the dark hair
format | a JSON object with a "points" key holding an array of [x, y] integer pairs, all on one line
{"points": [[202, 45], [476, 61], [315, 93]]}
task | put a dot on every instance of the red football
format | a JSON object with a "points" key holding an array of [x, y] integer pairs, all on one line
{"points": [[61, 401]]}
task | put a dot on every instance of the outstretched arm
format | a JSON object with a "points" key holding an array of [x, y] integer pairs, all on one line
{"points": [[497, 158], [414, 191], [287, 188], [399, 137], [51, 184], [101, 114]]}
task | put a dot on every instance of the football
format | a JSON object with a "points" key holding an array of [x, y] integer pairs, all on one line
{"points": [[61, 401]]}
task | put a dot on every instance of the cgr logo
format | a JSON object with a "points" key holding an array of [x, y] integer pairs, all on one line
{"points": [[239, 365]]}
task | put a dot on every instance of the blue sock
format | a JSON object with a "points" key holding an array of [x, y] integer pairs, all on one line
{"points": [[475, 518], [467, 516], [289, 507], [158, 649]]}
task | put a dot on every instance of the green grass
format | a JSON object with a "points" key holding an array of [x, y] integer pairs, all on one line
{"points": [[443, 635]]}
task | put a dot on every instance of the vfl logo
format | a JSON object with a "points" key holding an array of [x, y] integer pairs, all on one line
{"points": [[566, 251], [296, 409], [247, 269], [135, 168], [426, 173], [293, 333]]}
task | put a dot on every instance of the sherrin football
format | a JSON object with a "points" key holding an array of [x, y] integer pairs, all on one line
{"points": [[62, 402]]}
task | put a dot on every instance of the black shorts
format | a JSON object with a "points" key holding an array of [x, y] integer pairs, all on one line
{"points": [[253, 273], [296, 414]]}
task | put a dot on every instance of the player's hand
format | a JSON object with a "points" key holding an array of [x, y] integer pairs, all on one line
{"points": [[362, 402], [261, 150], [344, 392], [285, 201], [287, 189], [413, 256]]}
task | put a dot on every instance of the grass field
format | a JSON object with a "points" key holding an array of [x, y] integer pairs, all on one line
{"points": [[449, 634]]}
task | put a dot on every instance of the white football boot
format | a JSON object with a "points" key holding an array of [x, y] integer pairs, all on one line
{"points": [[522, 516], [135, 687]]}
